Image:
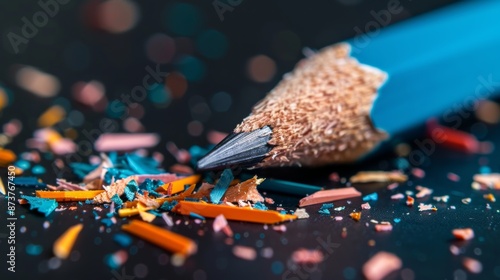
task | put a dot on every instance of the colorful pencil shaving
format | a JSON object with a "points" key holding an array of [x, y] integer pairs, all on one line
{"points": [[68, 195], [329, 195], [160, 237], [378, 176], [178, 185], [452, 138], [63, 245], [243, 214]]}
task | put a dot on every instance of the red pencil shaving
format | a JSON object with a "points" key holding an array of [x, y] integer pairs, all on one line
{"points": [[463, 233], [452, 138], [366, 206], [381, 265], [125, 142], [329, 195], [410, 200], [305, 256]]}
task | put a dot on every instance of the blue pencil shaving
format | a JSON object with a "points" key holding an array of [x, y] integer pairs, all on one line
{"points": [[122, 239], [168, 205], [96, 215], [28, 181], [327, 206], [283, 212], [397, 220], [23, 164], [196, 216], [220, 188], [121, 167], [260, 206], [43, 205], [197, 153], [372, 197], [117, 200], [89, 201], [106, 221], [324, 211], [33, 249], [38, 170]]}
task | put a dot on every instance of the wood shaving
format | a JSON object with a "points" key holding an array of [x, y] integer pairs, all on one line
{"points": [[423, 191], [366, 206], [378, 176], [117, 188], [245, 191], [301, 213], [491, 181], [426, 207]]}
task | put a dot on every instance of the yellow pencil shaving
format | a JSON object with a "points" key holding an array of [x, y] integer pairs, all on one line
{"points": [[63, 245], [178, 185], [181, 196], [53, 137], [52, 116], [68, 195], [244, 214], [163, 238], [147, 217], [139, 207], [2, 187]]}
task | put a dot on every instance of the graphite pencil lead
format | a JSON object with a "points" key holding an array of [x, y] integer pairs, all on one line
{"points": [[242, 149]]}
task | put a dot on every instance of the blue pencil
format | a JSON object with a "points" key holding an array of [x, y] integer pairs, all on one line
{"points": [[339, 104]]}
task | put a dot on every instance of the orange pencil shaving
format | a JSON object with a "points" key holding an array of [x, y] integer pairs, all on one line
{"points": [[52, 116], [243, 214], [178, 185], [183, 195], [68, 195], [6, 157], [63, 245], [163, 238]]}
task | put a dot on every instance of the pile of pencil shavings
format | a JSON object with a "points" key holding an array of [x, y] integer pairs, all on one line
{"points": [[149, 196]]}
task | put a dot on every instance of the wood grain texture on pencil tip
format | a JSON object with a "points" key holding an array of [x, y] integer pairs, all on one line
{"points": [[319, 114]]}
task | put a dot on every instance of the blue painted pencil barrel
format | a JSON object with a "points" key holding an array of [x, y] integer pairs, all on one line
{"points": [[438, 63]]}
